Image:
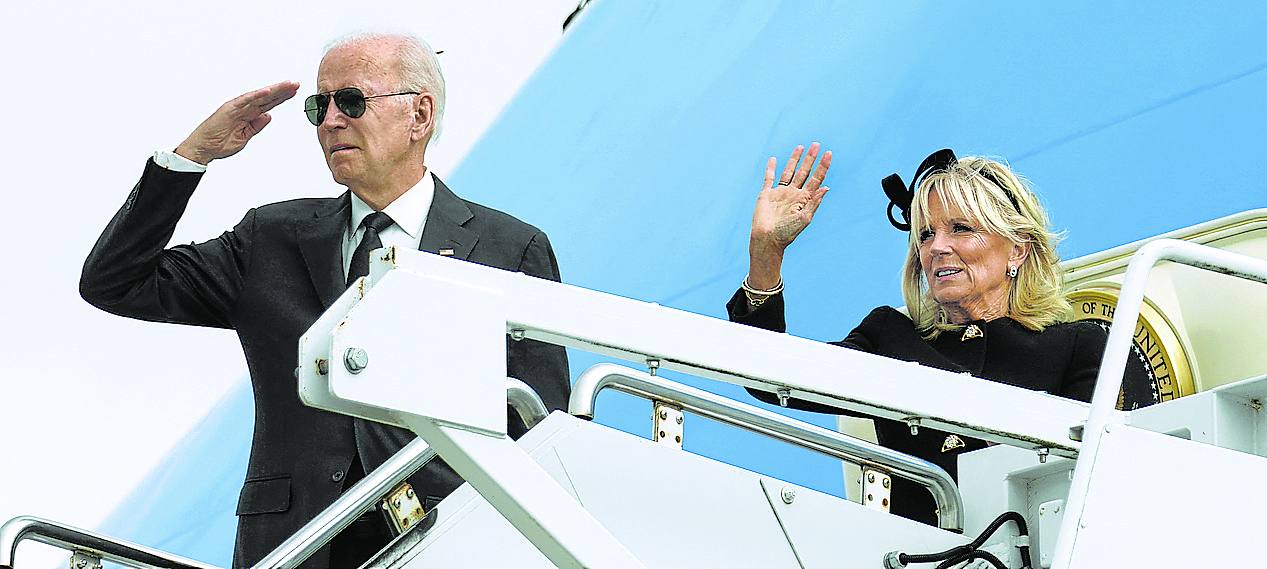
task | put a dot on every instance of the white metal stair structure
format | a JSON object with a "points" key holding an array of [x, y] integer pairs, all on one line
{"points": [[1116, 479], [572, 493], [1089, 536], [671, 509], [467, 430]]}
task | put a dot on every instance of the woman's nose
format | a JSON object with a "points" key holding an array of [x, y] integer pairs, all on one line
{"points": [[939, 244]]}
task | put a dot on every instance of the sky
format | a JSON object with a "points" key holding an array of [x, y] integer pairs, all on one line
{"points": [[89, 402]]}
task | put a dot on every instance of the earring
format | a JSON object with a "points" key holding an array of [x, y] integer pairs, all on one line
{"points": [[1011, 272]]}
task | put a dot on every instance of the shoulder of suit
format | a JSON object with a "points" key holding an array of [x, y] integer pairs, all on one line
{"points": [[487, 220], [496, 220], [1089, 329], [1071, 328], [885, 323], [1075, 335], [297, 208], [887, 315]]}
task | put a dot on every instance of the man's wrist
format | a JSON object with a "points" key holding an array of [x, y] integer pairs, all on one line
{"points": [[175, 162], [190, 152]]}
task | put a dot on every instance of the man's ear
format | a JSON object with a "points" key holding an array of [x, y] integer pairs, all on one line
{"points": [[424, 117]]}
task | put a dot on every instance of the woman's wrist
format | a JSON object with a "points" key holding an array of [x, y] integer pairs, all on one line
{"points": [[766, 286], [765, 264], [765, 278]]}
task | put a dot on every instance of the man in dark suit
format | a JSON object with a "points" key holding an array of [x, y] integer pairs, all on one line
{"points": [[379, 101]]}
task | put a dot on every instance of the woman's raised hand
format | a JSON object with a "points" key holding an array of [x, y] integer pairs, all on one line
{"points": [[784, 210]]}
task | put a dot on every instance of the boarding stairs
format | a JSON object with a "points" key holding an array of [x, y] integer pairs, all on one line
{"points": [[1091, 486]]}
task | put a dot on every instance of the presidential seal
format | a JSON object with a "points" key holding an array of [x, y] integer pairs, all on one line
{"points": [[1157, 348]]}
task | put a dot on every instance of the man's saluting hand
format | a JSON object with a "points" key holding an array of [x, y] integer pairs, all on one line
{"points": [[227, 130]]}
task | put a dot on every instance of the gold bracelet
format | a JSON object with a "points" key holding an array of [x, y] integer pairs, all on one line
{"points": [[757, 297], [754, 300]]}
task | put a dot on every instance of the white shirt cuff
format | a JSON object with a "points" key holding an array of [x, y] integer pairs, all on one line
{"points": [[177, 163]]}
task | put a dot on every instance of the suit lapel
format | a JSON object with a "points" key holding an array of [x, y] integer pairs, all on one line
{"points": [[320, 241], [445, 225]]}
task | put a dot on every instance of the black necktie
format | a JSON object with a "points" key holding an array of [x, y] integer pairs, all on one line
{"points": [[375, 442], [373, 224]]}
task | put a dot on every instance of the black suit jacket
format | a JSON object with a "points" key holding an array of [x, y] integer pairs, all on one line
{"points": [[1063, 359], [269, 278]]}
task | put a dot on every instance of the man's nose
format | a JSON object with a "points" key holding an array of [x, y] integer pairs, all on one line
{"points": [[334, 117]]}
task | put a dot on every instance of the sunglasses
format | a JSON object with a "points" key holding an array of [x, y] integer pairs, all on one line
{"points": [[350, 100]]}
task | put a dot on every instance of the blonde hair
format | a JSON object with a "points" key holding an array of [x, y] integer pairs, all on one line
{"points": [[995, 198]]}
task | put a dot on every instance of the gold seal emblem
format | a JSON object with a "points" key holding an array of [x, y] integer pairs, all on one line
{"points": [[952, 442], [1157, 343]]}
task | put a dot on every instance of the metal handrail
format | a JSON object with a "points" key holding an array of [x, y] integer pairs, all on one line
{"points": [[1108, 383], [774, 425], [358, 499], [525, 401], [72, 538], [364, 495]]}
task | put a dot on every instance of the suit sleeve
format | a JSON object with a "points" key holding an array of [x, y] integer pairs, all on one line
{"points": [[541, 365], [129, 273]]}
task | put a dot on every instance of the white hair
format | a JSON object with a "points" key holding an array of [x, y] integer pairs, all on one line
{"points": [[417, 64]]}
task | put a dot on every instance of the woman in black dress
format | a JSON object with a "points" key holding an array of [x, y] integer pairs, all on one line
{"points": [[981, 282]]}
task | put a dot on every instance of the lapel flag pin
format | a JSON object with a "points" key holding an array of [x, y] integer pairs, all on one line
{"points": [[446, 252]]}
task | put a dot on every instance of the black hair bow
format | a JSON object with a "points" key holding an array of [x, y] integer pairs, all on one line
{"points": [[901, 196]]}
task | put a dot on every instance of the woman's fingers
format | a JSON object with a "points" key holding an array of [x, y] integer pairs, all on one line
{"points": [[799, 182], [790, 168], [802, 170], [768, 182], [820, 173]]}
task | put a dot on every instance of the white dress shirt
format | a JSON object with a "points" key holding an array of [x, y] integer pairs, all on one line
{"points": [[408, 212]]}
